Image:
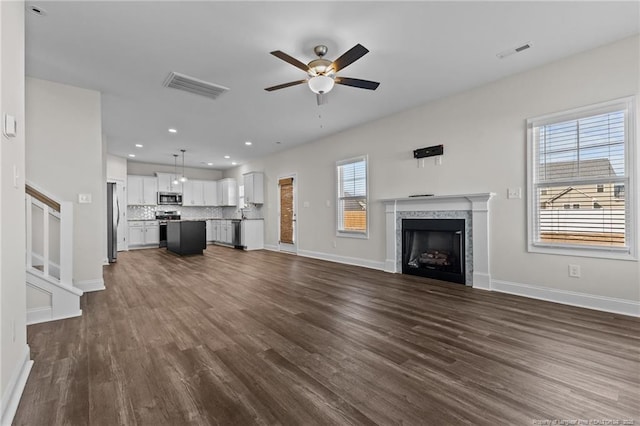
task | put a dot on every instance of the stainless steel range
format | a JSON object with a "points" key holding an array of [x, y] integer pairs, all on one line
{"points": [[164, 218]]}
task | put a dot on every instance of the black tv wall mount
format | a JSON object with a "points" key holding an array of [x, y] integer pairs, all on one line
{"points": [[429, 151]]}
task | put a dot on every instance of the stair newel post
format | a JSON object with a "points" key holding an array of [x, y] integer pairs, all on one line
{"points": [[66, 242], [29, 230], [46, 211]]}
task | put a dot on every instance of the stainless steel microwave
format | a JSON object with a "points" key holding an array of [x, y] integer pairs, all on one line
{"points": [[169, 198]]}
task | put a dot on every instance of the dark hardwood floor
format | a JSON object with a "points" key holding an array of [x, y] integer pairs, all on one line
{"points": [[241, 338]]}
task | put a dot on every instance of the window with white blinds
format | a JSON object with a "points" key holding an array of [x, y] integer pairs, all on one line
{"points": [[352, 197], [579, 180]]}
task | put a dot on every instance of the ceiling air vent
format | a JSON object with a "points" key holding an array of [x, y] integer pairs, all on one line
{"points": [[193, 85], [510, 52]]}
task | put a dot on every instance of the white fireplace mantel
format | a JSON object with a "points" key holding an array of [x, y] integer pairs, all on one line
{"points": [[476, 204]]}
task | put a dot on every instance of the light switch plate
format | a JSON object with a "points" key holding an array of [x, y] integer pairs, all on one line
{"points": [[84, 198], [514, 193], [9, 126]]}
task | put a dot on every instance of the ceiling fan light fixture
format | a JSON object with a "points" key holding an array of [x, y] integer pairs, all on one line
{"points": [[321, 84]]}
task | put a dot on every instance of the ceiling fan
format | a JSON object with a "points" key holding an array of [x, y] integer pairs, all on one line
{"points": [[322, 72]]}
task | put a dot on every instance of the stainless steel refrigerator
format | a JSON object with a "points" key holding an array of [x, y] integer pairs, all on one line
{"points": [[113, 220]]}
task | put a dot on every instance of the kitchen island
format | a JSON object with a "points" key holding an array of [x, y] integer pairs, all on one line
{"points": [[186, 236]]}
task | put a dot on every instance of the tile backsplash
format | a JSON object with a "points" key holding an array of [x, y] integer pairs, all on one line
{"points": [[186, 212]]}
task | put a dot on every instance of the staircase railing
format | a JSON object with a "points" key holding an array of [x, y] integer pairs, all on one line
{"points": [[49, 235]]}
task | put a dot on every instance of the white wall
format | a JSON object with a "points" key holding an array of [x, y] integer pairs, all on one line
{"points": [[149, 169], [484, 136], [116, 168], [14, 352], [64, 157]]}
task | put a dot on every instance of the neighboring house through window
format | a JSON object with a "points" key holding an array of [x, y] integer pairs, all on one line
{"points": [[352, 220], [579, 171]]}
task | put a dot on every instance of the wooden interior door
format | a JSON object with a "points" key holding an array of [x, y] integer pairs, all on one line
{"points": [[287, 211]]}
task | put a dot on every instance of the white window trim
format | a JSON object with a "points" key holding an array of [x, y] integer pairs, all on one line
{"points": [[631, 164], [351, 234]]}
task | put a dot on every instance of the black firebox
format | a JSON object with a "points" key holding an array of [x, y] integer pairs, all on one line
{"points": [[434, 248]]}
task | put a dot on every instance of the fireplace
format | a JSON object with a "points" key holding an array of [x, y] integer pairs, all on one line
{"points": [[471, 209], [434, 248]]}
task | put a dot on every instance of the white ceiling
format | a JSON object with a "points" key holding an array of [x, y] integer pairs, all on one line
{"points": [[419, 51]]}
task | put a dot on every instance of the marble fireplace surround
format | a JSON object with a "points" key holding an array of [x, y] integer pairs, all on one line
{"points": [[474, 208]]}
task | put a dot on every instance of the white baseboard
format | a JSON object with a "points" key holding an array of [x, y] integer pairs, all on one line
{"points": [[583, 300], [271, 247], [90, 285], [372, 264], [15, 387], [40, 315]]}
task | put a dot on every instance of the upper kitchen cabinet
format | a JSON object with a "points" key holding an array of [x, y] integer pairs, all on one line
{"points": [[254, 188], [165, 183], [200, 193], [227, 192], [210, 192], [193, 193], [142, 190]]}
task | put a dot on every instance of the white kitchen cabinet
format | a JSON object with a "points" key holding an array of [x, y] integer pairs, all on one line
{"points": [[193, 193], [210, 230], [253, 188], [210, 193], [224, 227], [252, 234], [136, 234], [217, 230], [227, 191], [143, 233], [142, 190], [200, 193], [152, 233], [165, 183]]}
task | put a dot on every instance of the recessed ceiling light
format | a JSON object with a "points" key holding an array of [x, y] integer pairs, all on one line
{"points": [[248, 143], [227, 157], [36, 10], [233, 163], [139, 145], [209, 164], [172, 130], [132, 155]]}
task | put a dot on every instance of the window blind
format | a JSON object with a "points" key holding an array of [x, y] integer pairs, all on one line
{"points": [[286, 210], [352, 195], [579, 180]]}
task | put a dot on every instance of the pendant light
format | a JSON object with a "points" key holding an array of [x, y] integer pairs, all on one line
{"points": [[183, 179], [175, 170]]}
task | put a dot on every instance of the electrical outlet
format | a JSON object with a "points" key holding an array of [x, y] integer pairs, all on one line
{"points": [[335, 244], [574, 271]]}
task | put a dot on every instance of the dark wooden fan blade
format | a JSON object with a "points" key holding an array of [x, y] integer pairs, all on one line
{"points": [[290, 59], [356, 82], [282, 86], [349, 57]]}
